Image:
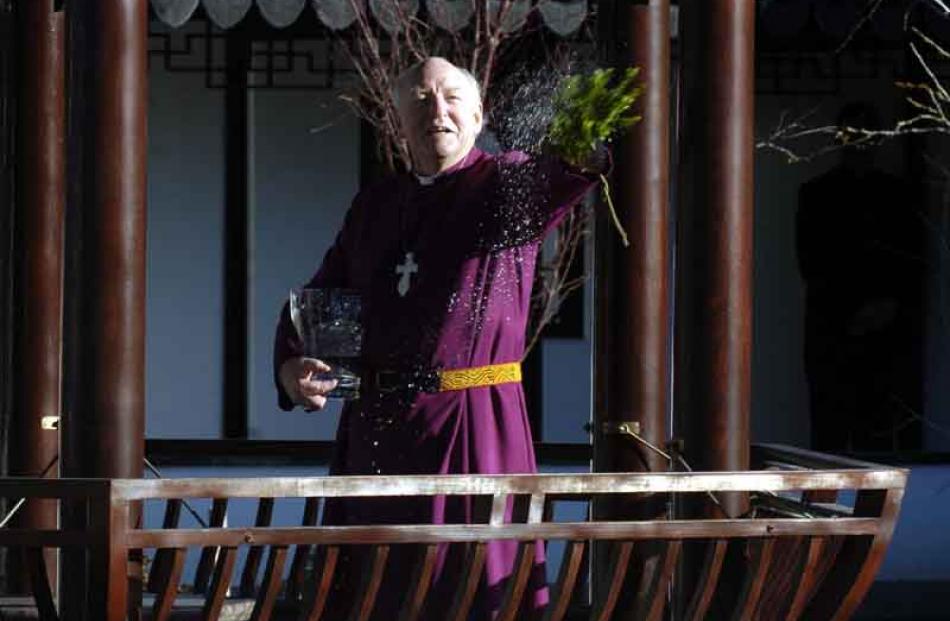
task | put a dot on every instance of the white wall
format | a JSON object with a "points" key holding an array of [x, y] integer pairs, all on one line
{"points": [[302, 185], [185, 256]]}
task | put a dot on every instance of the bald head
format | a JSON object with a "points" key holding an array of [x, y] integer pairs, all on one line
{"points": [[440, 110], [410, 77]]}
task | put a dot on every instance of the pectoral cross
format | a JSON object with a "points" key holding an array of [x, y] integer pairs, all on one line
{"points": [[405, 271]]}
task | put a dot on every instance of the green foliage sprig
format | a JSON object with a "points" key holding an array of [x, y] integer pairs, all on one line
{"points": [[589, 110]]}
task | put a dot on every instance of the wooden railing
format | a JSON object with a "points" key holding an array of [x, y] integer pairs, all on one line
{"points": [[806, 550]]}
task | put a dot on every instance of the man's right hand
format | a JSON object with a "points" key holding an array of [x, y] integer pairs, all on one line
{"points": [[298, 381]]}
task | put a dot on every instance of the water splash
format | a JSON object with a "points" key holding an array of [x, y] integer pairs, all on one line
{"points": [[523, 107], [525, 101]]}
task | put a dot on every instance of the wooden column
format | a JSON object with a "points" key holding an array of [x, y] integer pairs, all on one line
{"points": [[714, 280], [104, 421], [8, 95], [41, 134], [633, 352], [109, 74], [8, 56], [635, 324]]}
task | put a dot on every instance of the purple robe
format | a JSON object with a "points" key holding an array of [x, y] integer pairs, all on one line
{"points": [[475, 233]]}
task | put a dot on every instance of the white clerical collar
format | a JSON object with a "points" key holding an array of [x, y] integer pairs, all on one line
{"points": [[427, 179], [459, 165]]}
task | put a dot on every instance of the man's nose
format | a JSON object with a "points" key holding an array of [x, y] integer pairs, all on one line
{"points": [[439, 106]]}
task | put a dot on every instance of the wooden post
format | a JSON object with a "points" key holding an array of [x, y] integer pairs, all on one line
{"points": [[714, 266], [634, 333], [633, 350], [110, 518], [40, 204], [103, 424], [8, 95], [108, 45]]}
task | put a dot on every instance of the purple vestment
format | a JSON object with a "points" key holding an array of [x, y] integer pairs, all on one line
{"points": [[475, 233]]}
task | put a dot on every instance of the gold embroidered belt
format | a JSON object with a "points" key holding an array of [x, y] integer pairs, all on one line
{"points": [[443, 380]]}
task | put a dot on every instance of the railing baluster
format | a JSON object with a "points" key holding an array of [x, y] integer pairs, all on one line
{"points": [[168, 590], [468, 583], [313, 610], [420, 583], [299, 563], [751, 592], [851, 576], [39, 583], [270, 587], [370, 587], [164, 557], [220, 582], [517, 581], [493, 512], [265, 511], [524, 563], [816, 548], [566, 581], [708, 579], [620, 562], [652, 599], [206, 562]]}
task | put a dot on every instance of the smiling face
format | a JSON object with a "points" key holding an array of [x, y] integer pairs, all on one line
{"points": [[441, 115]]}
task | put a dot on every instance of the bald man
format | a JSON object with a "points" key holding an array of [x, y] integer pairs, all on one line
{"points": [[444, 259]]}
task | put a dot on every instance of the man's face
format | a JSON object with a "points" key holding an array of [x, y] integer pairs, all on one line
{"points": [[441, 116]]}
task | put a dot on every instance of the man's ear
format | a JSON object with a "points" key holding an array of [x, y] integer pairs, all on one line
{"points": [[478, 117]]}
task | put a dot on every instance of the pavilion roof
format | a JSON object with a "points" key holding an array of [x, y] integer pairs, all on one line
{"points": [[562, 17]]}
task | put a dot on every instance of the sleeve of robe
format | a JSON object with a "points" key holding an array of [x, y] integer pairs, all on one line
{"points": [[568, 186], [333, 272]]}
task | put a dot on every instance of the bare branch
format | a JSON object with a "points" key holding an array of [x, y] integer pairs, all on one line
{"points": [[929, 41], [943, 6], [869, 11]]}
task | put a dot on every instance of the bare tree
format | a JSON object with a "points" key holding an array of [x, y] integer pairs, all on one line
{"points": [[928, 100], [926, 112], [381, 51]]}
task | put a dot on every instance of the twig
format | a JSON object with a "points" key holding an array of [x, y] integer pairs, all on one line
{"points": [[870, 10], [613, 212]]}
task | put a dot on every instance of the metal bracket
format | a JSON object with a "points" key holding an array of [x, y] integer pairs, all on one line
{"points": [[49, 422], [620, 427]]}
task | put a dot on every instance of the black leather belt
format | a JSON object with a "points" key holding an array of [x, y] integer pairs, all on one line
{"points": [[386, 381]]}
